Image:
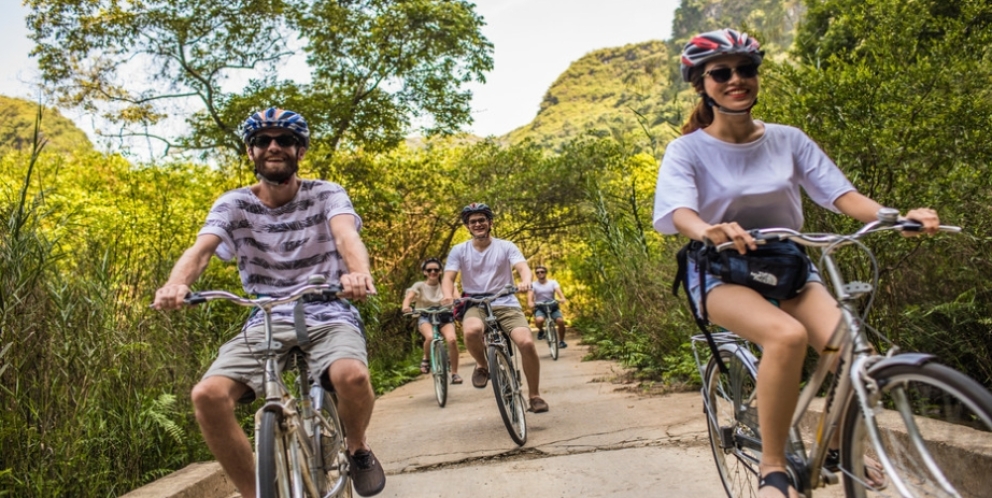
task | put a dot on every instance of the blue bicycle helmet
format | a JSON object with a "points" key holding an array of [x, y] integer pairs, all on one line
{"points": [[275, 118]]}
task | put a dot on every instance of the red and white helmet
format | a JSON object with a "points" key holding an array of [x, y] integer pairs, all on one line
{"points": [[712, 44]]}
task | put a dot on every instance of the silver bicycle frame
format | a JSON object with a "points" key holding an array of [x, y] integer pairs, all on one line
{"points": [[849, 346]]}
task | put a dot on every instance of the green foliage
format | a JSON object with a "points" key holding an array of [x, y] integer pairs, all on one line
{"points": [[887, 90], [17, 125], [374, 64]]}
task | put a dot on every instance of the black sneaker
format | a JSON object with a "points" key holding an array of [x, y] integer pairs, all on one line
{"points": [[562, 345], [540, 335], [366, 473]]}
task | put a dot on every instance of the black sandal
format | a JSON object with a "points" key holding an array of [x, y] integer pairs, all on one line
{"points": [[778, 480]]}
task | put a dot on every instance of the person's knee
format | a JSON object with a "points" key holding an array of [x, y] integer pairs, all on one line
{"points": [[560, 321], [789, 337], [209, 397], [350, 377]]}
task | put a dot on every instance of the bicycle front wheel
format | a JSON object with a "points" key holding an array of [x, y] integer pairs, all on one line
{"points": [[329, 447], [552, 335], [271, 471], [508, 397], [732, 418], [935, 428], [439, 367]]}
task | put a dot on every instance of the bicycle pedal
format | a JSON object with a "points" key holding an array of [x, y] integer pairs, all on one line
{"points": [[829, 478], [726, 437]]}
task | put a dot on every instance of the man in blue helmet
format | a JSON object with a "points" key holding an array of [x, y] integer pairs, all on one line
{"points": [[282, 230]]}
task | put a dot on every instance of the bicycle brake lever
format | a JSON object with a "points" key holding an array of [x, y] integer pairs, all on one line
{"points": [[194, 298]]}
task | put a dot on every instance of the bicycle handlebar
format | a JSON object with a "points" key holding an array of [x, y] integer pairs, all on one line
{"points": [[433, 310], [546, 303], [325, 290], [764, 235], [509, 289]]}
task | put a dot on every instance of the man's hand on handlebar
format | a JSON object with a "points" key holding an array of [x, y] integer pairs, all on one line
{"points": [[170, 297], [357, 286]]}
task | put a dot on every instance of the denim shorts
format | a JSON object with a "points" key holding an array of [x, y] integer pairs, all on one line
{"points": [[556, 314], [713, 281], [444, 319]]}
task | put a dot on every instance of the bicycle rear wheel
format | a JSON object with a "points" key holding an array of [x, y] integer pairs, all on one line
{"points": [[953, 415], [508, 397], [271, 471], [552, 335], [732, 419], [439, 367], [329, 447]]}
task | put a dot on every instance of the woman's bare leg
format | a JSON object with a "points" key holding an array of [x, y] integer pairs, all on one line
{"points": [[784, 341]]}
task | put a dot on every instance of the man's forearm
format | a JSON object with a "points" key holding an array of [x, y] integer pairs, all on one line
{"points": [[189, 267]]}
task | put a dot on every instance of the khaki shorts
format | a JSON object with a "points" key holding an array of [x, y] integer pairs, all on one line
{"points": [[508, 317], [240, 358]]}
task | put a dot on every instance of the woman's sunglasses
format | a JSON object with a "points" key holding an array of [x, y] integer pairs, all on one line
{"points": [[723, 74], [263, 141], [433, 270]]}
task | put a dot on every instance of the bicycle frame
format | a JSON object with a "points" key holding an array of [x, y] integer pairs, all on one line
{"points": [[295, 410], [847, 347]]}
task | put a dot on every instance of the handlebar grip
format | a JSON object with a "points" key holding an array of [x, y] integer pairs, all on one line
{"points": [[910, 225], [194, 298]]}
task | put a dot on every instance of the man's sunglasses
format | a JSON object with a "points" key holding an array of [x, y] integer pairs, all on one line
{"points": [[723, 74], [263, 141], [433, 270], [539, 272]]}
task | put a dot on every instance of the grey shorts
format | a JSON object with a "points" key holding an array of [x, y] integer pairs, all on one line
{"points": [[239, 359]]}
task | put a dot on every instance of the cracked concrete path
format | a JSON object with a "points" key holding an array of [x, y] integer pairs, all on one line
{"points": [[600, 438]]}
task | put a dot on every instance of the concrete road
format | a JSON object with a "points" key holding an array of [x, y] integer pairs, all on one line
{"points": [[600, 438]]}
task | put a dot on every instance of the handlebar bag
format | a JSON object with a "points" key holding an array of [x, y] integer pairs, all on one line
{"points": [[776, 269]]}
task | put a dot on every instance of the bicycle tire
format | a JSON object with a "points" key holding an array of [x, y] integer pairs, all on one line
{"points": [[271, 474], [734, 419], [552, 335], [948, 407], [510, 401], [330, 447], [439, 368]]}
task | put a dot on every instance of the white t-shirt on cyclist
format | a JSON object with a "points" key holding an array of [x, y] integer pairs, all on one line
{"points": [[545, 291], [755, 184], [487, 271]]}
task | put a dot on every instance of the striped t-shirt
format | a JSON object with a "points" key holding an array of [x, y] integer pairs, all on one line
{"points": [[278, 249]]}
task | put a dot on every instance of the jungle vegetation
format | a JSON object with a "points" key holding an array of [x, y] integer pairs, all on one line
{"points": [[94, 386]]}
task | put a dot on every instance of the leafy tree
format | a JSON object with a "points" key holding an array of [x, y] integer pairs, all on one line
{"points": [[897, 94], [375, 64]]}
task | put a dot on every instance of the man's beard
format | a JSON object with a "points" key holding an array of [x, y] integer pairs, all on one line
{"points": [[277, 177]]}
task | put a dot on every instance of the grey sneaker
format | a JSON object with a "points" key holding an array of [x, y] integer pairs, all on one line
{"points": [[366, 473]]}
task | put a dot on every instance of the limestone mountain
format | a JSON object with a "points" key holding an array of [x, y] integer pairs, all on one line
{"points": [[17, 122], [634, 92]]}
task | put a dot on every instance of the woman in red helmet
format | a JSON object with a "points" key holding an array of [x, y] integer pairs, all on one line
{"points": [[729, 173]]}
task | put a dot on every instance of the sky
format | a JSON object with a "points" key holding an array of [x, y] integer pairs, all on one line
{"points": [[534, 42]]}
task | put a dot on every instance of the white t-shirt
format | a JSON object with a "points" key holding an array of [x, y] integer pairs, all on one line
{"points": [[755, 184], [545, 291], [488, 271]]}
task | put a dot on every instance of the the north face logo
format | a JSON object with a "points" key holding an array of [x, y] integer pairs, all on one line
{"points": [[764, 278]]}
